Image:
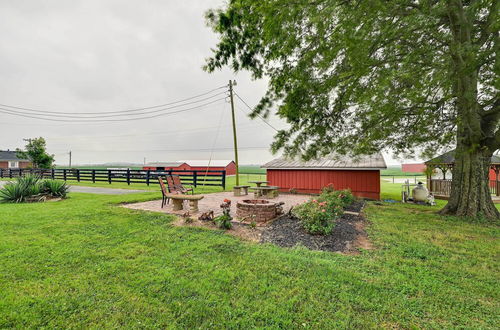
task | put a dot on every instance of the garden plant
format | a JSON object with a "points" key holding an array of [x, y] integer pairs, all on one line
{"points": [[32, 188]]}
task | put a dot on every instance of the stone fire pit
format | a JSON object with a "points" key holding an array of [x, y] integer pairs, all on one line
{"points": [[257, 210]]}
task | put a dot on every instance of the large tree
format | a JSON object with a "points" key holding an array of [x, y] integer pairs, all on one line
{"points": [[36, 151], [359, 76]]}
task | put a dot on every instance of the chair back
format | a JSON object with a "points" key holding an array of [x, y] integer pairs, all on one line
{"points": [[177, 181], [162, 185], [172, 188]]}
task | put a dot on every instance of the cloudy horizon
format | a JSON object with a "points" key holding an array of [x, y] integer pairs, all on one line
{"points": [[101, 56]]}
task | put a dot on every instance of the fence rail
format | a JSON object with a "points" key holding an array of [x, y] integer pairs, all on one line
{"points": [[194, 178], [443, 187]]}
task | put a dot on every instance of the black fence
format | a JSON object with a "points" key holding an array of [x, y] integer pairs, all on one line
{"points": [[194, 178]]}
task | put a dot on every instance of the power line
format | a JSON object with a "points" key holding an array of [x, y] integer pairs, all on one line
{"points": [[92, 120], [115, 115], [262, 118], [112, 112]]}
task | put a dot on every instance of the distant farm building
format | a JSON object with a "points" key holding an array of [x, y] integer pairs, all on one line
{"points": [[166, 166], [413, 168], [194, 165], [9, 159], [361, 175]]}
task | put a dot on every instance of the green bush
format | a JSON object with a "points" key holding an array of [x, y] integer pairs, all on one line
{"points": [[223, 222], [21, 190], [55, 188], [31, 188], [318, 215]]}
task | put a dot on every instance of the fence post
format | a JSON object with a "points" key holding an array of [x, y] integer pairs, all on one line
{"points": [[10, 173], [78, 175], [53, 173], [1, 172], [224, 179], [109, 176], [93, 176], [148, 173], [195, 178], [20, 172], [128, 176], [64, 174]]}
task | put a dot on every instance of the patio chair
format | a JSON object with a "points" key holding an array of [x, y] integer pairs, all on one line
{"points": [[164, 198], [179, 187]]}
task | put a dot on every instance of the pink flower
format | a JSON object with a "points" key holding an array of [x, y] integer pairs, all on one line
{"points": [[315, 201], [323, 210]]}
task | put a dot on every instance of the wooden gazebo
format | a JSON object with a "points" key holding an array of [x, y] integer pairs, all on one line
{"points": [[441, 188]]}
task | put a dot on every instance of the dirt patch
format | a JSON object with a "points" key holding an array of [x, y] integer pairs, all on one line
{"points": [[348, 235], [356, 206]]}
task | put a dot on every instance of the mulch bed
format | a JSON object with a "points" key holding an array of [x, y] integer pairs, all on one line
{"points": [[347, 236]]}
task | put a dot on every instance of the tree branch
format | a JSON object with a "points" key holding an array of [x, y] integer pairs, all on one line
{"points": [[486, 25]]}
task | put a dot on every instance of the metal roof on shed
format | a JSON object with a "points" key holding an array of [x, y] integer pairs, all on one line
{"points": [[7, 155], [332, 162]]}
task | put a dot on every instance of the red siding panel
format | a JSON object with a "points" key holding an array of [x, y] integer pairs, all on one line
{"points": [[363, 183]]}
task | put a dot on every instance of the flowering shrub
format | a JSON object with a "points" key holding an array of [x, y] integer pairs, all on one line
{"points": [[318, 215], [344, 197]]}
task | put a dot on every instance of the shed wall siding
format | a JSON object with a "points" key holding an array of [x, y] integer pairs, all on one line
{"points": [[365, 183]]}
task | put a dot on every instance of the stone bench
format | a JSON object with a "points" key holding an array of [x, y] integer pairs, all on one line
{"points": [[265, 191], [178, 201], [240, 190]]}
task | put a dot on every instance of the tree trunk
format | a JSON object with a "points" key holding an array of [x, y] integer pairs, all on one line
{"points": [[470, 192]]}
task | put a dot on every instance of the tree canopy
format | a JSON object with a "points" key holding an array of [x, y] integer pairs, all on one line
{"points": [[36, 151], [361, 76]]}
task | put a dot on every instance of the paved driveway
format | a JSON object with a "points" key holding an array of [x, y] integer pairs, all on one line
{"points": [[96, 190]]}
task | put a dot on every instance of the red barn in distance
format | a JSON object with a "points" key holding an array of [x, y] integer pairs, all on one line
{"points": [[361, 175], [413, 168], [194, 165]]}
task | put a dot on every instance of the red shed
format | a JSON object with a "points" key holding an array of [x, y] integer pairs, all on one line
{"points": [[361, 175], [213, 165]]}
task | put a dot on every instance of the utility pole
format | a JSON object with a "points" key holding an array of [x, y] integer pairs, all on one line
{"points": [[234, 132], [70, 159]]}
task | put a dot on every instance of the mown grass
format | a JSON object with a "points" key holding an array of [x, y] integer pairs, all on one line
{"points": [[86, 262]]}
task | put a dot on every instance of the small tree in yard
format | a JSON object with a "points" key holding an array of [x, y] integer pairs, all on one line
{"points": [[36, 152], [360, 76]]}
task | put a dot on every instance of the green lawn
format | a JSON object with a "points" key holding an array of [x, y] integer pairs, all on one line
{"points": [[86, 262]]}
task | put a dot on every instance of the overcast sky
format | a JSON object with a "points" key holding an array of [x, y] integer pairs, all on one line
{"points": [[109, 55]]}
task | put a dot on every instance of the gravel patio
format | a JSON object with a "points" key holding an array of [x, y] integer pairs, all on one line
{"points": [[211, 202]]}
